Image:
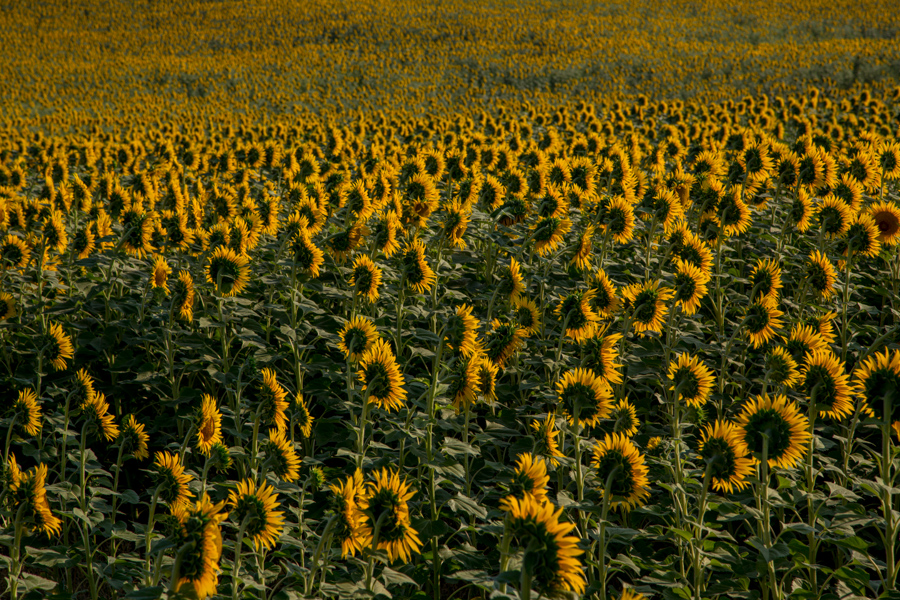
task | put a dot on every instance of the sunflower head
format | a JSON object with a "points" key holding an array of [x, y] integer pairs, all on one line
{"points": [[343, 502], [545, 445], [95, 410], [878, 382], [282, 457], [199, 535], [600, 356], [460, 331], [624, 418], [134, 438], [774, 426], [503, 340], [302, 415], [254, 509], [820, 274], [366, 278], [691, 380], [647, 304], [726, 457], [511, 281], [584, 397], [761, 320], [381, 377], [385, 516], [57, 346], [418, 274], [14, 253], [781, 368], [577, 315], [228, 271], [887, 220], [27, 411], [171, 479], [826, 385], [690, 286], [356, 337], [209, 425], [619, 465], [529, 477]]}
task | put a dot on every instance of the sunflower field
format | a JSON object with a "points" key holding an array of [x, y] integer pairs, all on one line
{"points": [[449, 300]]}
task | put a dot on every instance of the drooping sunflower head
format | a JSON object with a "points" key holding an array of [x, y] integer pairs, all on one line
{"points": [[456, 221], [503, 340], [511, 281], [366, 278], [307, 256], [529, 477], [774, 426], [527, 314], [183, 296], [620, 465], [171, 479], [14, 253], [581, 253], [27, 411], [228, 271], [691, 379], [486, 372], [381, 377], [545, 443], [690, 286], [878, 381], [356, 337], [27, 492], [761, 320], [302, 416], [343, 502], [384, 506], [384, 233], [781, 368], [820, 274], [726, 456], [254, 509], [343, 243], [605, 301], [199, 536], [418, 274], [624, 418], [57, 346], [552, 554], [134, 438], [804, 340], [766, 278], [886, 216], [95, 410], [585, 398], [618, 220], [460, 331], [600, 355], [282, 457], [826, 385], [577, 314], [269, 400], [549, 233], [209, 425], [647, 304], [463, 382]]}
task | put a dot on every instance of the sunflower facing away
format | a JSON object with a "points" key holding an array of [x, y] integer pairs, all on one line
{"points": [[254, 508], [527, 314], [552, 553], [584, 397], [381, 378], [647, 304], [343, 502], [135, 438], [529, 478], [820, 274], [366, 278], [57, 347], [183, 296], [781, 368], [160, 276], [269, 398], [511, 281], [761, 320], [503, 340], [779, 420], [282, 456], [95, 410], [199, 530], [460, 331], [171, 479], [209, 428], [600, 355], [545, 444], [228, 271], [357, 337], [7, 306], [766, 278], [307, 256], [418, 274], [301, 415], [826, 385], [577, 315], [690, 286], [618, 461], [384, 505], [878, 381], [804, 340], [720, 446], [624, 418], [27, 411], [28, 492]]}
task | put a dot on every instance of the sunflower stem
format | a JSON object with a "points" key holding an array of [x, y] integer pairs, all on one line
{"points": [[148, 536], [812, 536], [845, 322], [601, 559], [887, 486], [175, 574], [236, 568], [324, 541], [115, 495], [525, 582], [697, 540]]}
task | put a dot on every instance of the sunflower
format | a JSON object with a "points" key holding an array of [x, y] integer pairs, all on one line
{"points": [[209, 429], [14, 253], [733, 214], [347, 516], [463, 381], [761, 320], [780, 421], [827, 386], [549, 233], [456, 220], [618, 462], [529, 478], [135, 438], [690, 286], [604, 301], [228, 271], [381, 378], [695, 251], [503, 340], [269, 397], [624, 418], [302, 416], [28, 493], [343, 243], [307, 256], [183, 296], [461, 331], [527, 314], [366, 278], [487, 378], [578, 316], [781, 368], [84, 243], [766, 278], [820, 274], [887, 220], [646, 302], [822, 324], [199, 536], [584, 397], [618, 220], [137, 227], [416, 271], [54, 233], [834, 217], [802, 211], [862, 237], [171, 479], [804, 340], [545, 444], [878, 382], [384, 233], [511, 282], [581, 258], [628, 594], [600, 354], [160, 275], [57, 347], [95, 409], [356, 337], [692, 381], [27, 411], [254, 508], [722, 449], [281, 455], [850, 191], [551, 552], [384, 506], [7, 306]]}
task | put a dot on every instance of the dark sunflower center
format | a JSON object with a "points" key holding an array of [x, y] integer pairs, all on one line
{"points": [[832, 220], [858, 238], [546, 229], [720, 455], [500, 339], [526, 319], [762, 279], [617, 221], [580, 399], [520, 484], [771, 423], [572, 309]]}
